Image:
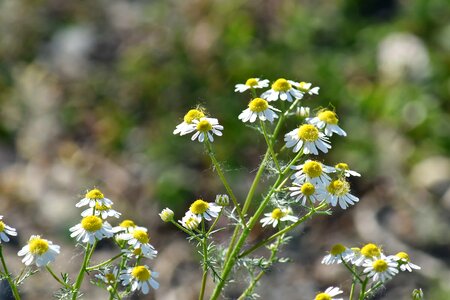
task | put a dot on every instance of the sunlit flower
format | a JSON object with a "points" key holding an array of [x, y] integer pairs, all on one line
{"points": [[278, 215], [91, 228], [125, 226], [282, 89], [404, 263], [305, 87], [139, 239], [205, 209], [327, 120], [312, 171], [93, 197], [337, 253], [307, 191], [190, 221], [137, 253], [140, 278], [40, 251], [204, 128], [108, 276], [339, 192], [308, 137], [369, 251], [343, 168], [251, 83], [380, 269], [258, 108], [6, 230], [191, 115], [166, 215], [329, 294], [104, 211]]}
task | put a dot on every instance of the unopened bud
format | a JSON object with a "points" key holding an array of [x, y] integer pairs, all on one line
{"points": [[303, 111], [222, 200], [166, 215], [417, 294]]}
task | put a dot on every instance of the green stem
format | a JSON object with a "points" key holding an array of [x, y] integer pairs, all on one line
{"points": [[123, 261], [373, 289], [352, 289], [351, 270], [8, 276], [104, 263], [87, 255], [269, 146], [186, 231], [56, 277], [362, 294], [205, 262], [215, 221]]}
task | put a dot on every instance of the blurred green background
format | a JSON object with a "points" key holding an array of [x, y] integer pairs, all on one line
{"points": [[90, 92]]}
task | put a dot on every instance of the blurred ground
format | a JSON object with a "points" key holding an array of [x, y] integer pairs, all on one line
{"points": [[91, 91]]}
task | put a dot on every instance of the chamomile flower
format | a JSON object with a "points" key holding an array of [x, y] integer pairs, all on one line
{"points": [[190, 221], [278, 215], [191, 115], [166, 215], [104, 211], [258, 108], [337, 253], [404, 263], [93, 197], [108, 276], [369, 251], [251, 83], [137, 253], [308, 137], [380, 269], [91, 228], [312, 171], [339, 193], [204, 209], [139, 239], [329, 294], [125, 226], [140, 277], [305, 87], [204, 127], [303, 111], [344, 169], [307, 191], [6, 230], [327, 120], [40, 251], [282, 89]]}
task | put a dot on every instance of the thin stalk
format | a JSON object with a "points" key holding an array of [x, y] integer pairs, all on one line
{"points": [[104, 263], [8, 276], [87, 255], [352, 289], [269, 146], [205, 262], [56, 277], [362, 294], [215, 221], [123, 261], [351, 270], [373, 289], [186, 231]]}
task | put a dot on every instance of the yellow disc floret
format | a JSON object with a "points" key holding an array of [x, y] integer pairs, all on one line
{"points": [[199, 207], [127, 224], [281, 85], [403, 255], [323, 296], [37, 245], [204, 126], [91, 223], [342, 166], [307, 189], [94, 194], [193, 114], [277, 214], [312, 169], [380, 265], [102, 207], [258, 105], [328, 117], [370, 250], [338, 187], [2, 226], [308, 132], [251, 82], [337, 249], [141, 273], [141, 236]]}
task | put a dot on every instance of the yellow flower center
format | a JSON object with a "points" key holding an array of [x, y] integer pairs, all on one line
{"points": [[338, 187], [308, 189], [403, 255], [141, 273], [312, 169], [370, 250], [308, 133], [258, 105], [303, 86], [328, 117], [323, 296], [277, 214], [380, 265], [110, 278], [191, 223], [337, 249], [91, 223], [199, 207], [37, 246], [204, 126], [342, 166], [137, 251], [2, 226], [251, 82], [141, 236], [94, 194], [101, 207], [281, 85], [193, 114], [127, 224]]}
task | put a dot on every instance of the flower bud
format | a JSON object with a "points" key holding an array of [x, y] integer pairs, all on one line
{"points": [[417, 294], [222, 200], [303, 111], [166, 215]]}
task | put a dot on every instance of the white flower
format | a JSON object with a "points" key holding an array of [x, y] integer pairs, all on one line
{"points": [[278, 215], [305, 191], [258, 108], [137, 253], [101, 210], [190, 221], [166, 215], [329, 294], [140, 277], [6, 230], [204, 128], [369, 251], [380, 269], [40, 251], [108, 276], [91, 228], [305, 87], [343, 168], [139, 239], [339, 192], [201, 208], [328, 121], [337, 253], [312, 171], [93, 197], [251, 83], [125, 226], [308, 137], [282, 89], [191, 115], [404, 263]]}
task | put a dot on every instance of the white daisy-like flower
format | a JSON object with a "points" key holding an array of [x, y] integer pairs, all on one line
{"points": [[6, 230], [329, 294], [91, 228], [140, 278], [337, 253], [166, 214], [282, 89], [93, 197], [205, 209], [104, 211], [278, 215], [190, 221], [191, 115], [380, 269], [327, 120], [137, 253], [339, 192], [204, 127], [251, 83], [355, 255], [343, 168], [258, 108], [308, 137], [402, 258], [305, 87], [369, 251], [125, 226], [139, 239], [305, 191], [40, 251], [108, 276], [312, 171]]}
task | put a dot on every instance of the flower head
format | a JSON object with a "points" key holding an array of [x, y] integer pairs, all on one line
{"points": [[204, 129], [166, 214], [251, 83], [6, 230], [312, 171], [404, 262], [140, 278], [94, 197], [190, 221], [40, 251], [305, 87], [139, 239], [205, 209], [108, 276], [339, 192], [282, 89], [307, 192], [337, 253], [222, 200], [328, 121], [91, 228], [329, 294], [308, 137], [125, 226], [278, 215], [258, 108], [104, 211], [368, 251], [189, 117], [380, 269], [343, 168]]}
